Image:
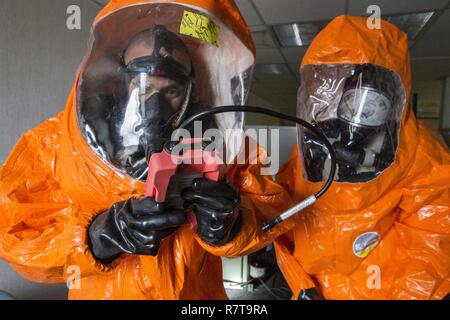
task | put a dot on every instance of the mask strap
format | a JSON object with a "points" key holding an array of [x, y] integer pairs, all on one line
{"points": [[185, 105]]}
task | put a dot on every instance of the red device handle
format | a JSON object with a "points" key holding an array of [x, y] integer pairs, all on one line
{"points": [[164, 165]]}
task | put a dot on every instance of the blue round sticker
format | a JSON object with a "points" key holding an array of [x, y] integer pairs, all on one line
{"points": [[365, 243]]}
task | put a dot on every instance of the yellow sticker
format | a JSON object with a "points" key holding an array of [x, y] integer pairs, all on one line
{"points": [[200, 27]]}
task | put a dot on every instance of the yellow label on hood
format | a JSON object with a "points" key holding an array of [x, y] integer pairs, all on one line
{"points": [[200, 27]]}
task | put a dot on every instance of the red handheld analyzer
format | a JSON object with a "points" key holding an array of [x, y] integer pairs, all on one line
{"points": [[170, 173]]}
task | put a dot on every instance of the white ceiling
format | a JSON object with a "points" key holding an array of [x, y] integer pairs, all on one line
{"points": [[358, 7], [434, 42], [283, 11]]}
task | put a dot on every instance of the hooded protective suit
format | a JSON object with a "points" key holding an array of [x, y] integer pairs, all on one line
{"points": [[58, 179], [386, 236]]}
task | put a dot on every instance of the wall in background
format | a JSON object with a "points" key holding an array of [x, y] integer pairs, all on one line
{"points": [[275, 92], [429, 100], [38, 60], [445, 117], [39, 57], [259, 119]]}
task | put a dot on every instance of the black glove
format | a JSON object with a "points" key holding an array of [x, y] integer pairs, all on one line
{"points": [[215, 205], [310, 294], [136, 226]]}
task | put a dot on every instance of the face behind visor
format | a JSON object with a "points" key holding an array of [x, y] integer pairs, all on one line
{"points": [[157, 95]]}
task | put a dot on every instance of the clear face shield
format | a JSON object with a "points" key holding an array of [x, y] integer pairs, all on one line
{"points": [[359, 108], [157, 92], [137, 85]]}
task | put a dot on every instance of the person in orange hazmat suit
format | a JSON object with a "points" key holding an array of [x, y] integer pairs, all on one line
{"points": [[71, 192], [382, 231]]}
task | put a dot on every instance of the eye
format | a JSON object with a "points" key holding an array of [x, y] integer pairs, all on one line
{"points": [[172, 93]]}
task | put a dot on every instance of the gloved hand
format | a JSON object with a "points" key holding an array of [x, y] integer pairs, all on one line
{"points": [[215, 205], [310, 294], [136, 226]]}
